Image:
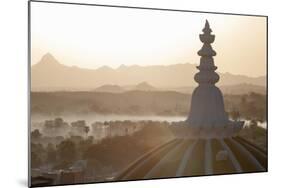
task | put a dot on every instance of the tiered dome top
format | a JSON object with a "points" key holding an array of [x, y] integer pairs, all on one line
{"points": [[206, 67], [207, 117]]}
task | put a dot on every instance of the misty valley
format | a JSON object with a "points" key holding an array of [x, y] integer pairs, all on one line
{"points": [[138, 103], [86, 136]]}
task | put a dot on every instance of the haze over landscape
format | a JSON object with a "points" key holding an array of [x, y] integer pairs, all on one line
{"points": [[107, 81], [51, 75], [92, 37]]}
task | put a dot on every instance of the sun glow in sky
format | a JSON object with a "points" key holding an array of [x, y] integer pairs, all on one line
{"points": [[91, 37]]}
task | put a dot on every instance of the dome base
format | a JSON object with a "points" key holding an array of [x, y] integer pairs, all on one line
{"points": [[185, 130], [207, 108]]}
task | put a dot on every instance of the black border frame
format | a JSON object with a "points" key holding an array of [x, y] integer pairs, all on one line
{"points": [[129, 7]]}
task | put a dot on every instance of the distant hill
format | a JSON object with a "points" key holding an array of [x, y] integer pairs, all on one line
{"points": [[144, 86], [236, 89], [161, 103], [239, 89], [50, 75], [130, 103], [110, 88]]}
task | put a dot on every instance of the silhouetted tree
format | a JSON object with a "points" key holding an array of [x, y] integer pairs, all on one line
{"points": [[37, 155], [86, 129], [51, 153], [36, 161], [35, 134], [66, 151]]}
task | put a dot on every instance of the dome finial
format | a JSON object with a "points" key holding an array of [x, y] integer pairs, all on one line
{"points": [[207, 24], [207, 28]]}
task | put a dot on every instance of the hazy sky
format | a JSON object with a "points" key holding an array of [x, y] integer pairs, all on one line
{"points": [[91, 37]]}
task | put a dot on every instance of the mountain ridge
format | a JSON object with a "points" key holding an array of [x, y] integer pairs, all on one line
{"points": [[49, 73]]}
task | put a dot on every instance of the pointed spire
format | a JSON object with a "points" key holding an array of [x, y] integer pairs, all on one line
{"points": [[207, 24], [207, 38], [206, 75], [207, 29]]}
